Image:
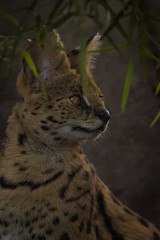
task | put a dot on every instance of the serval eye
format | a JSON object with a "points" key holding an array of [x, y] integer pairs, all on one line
{"points": [[75, 100]]}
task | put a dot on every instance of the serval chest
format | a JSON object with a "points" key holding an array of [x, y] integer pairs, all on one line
{"points": [[60, 205]]}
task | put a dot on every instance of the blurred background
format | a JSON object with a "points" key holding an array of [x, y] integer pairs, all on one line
{"points": [[127, 156]]}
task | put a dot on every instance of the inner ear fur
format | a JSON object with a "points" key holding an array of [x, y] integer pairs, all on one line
{"points": [[92, 44]]}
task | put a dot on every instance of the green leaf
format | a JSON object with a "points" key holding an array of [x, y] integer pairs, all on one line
{"points": [[143, 44], [29, 60], [83, 60], [132, 27], [112, 42], [157, 89], [144, 65], [127, 85], [155, 119], [57, 5], [149, 54], [153, 17], [9, 17], [63, 19], [115, 19], [2, 36]]}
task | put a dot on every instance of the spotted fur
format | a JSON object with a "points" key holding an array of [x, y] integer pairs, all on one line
{"points": [[48, 188]]}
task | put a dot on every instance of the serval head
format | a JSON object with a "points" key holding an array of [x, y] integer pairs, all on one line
{"points": [[56, 106]]}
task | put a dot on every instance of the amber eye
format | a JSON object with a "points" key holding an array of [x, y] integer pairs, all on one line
{"points": [[75, 100]]}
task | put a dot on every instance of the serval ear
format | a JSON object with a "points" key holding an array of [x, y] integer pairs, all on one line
{"points": [[92, 44], [50, 61]]}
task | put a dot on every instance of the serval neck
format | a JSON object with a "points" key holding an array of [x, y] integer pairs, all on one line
{"points": [[25, 157]]}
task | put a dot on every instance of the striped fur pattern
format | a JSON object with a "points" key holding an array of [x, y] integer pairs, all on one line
{"points": [[48, 188]]}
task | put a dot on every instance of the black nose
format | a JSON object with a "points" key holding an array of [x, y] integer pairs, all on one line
{"points": [[104, 115]]}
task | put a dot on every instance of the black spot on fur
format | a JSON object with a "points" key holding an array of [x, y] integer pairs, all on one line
{"points": [[65, 236], [21, 138], [34, 114], [23, 152], [5, 232], [42, 225], [4, 223], [97, 231], [27, 223], [31, 230], [16, 164], [143, 222], [81, 226], [33, 236], [73, 199], [88, 226], [49, 106], [48, 171], [156, 236], [42, 121], [33, 186], [11, 215], [16, 221], [53, 133], [51, 119], [22, 169], [66, 213], [106, 218], [27, 213], [57, 138], [40, 209], [70, 177], [128, 211], [79, 188], [86, 175], [36, 108], [44, 215], [36, 131], [41, 237], [49, 231], [74, 218], [35, 219], [90, 215], [17, 116], [56, 221], [44, 128], [82, 207], [59, 99], [52, 209], [48, 204]]}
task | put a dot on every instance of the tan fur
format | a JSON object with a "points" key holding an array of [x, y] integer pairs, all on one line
{"points": [[48, 189]]}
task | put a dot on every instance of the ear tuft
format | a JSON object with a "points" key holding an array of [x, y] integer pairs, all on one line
{"points": [[94, 42]]}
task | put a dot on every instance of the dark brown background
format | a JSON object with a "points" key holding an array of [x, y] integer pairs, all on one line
{"points": [[127, 157]]}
